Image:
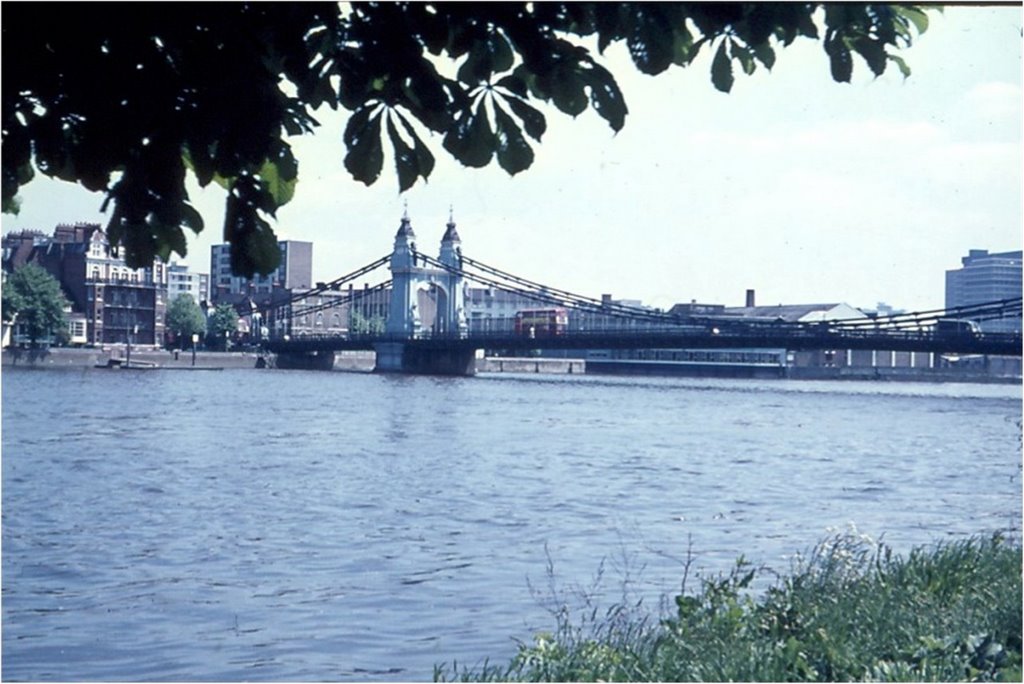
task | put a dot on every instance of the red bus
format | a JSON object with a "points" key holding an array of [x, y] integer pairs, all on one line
{"points": [[541, 322]]}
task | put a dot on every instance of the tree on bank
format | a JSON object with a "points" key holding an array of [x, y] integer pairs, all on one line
{"points": [[126, 99], [185, 318], [360, 324], [33, 299], [221, 325]]}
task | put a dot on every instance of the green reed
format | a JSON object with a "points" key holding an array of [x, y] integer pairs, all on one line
{"points": [[851, 610]]}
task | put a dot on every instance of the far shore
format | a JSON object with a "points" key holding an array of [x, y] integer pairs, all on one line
{"points": [[363, 361]]}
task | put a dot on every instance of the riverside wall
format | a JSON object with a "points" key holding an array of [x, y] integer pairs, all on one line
{"points": [[91, 357], [364, 361]]}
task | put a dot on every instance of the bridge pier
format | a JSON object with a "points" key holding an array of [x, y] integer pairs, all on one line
{"points": [[397, 357], [317, 360]]}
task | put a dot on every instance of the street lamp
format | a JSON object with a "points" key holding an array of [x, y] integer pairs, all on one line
{"points": [[135, 330], [195, 339]]}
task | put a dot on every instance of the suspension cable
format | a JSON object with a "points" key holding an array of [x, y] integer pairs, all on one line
{"points": [[582, 303], [984, 311], [339, 301], [545, 294], [332, 285], [604, 306]]}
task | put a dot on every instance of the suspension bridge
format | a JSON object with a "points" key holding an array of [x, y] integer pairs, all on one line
{"points": [[435, 315]]}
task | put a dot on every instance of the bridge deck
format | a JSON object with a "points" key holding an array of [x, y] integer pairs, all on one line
{"points": [[793, 338]]}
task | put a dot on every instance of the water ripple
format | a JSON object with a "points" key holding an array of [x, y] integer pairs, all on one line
{"points": [[319, 526]]}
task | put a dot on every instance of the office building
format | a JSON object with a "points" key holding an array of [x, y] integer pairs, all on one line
{"points": [[295, 272], [983, 278]]}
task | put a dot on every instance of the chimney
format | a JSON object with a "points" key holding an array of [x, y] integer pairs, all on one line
{"points": [[750, 298]]}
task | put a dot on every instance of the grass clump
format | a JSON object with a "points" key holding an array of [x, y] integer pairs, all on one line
{"points": [[851, 610]]}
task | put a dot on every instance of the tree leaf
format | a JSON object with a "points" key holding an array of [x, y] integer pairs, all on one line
{"points": [[424, 157], [429, 96], [533, 121], [191, 219], [487, 57], [651, 42], [567, 91], [918, 18], [281, 188], [606, 97], [514, 153], [514, 84], [470, 140], [765, 54], [501, 53], [365, 157], [901, 63], [683, 47], [475, 67], [721, 70], [744, 55], [873, 53], [169, 238], [839, 58], [406, 162], [253, 243]]}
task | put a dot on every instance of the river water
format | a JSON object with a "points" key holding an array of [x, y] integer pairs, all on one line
{"points": [[273, 525]]}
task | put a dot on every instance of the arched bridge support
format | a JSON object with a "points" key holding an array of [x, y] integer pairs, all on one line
{"points": [[398, 357], [408, 276]]}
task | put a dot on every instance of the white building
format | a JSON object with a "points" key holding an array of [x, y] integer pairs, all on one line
{"points": [[180, 280]]}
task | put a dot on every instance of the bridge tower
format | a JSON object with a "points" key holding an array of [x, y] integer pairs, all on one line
{"points": [[411, 274], [451, 317], [403, 311]]}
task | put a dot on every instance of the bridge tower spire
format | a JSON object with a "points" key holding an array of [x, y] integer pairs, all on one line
{"points": [[403, 311], [452, 318]]}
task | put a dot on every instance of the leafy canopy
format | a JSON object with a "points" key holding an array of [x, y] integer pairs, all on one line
{"points": [[224, 319], [127, 98], [33, 298], [185, 317]]}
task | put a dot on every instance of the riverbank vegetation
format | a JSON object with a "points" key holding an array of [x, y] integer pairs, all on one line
{"points": [[850, 610]]}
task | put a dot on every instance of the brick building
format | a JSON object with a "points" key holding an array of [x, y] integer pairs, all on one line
{"points": [[114, 300]]}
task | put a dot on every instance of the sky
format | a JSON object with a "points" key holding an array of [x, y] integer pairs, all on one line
{"points": [[800, 188]]}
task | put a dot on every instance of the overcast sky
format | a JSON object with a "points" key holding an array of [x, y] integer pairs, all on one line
{"points": [[801, 188]]}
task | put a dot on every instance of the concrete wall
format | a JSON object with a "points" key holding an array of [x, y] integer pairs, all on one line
{"points": [[90, 357], [512, 365]]}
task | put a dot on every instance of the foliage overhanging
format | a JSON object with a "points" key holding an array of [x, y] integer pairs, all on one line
{"points": [[126, 99]]}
